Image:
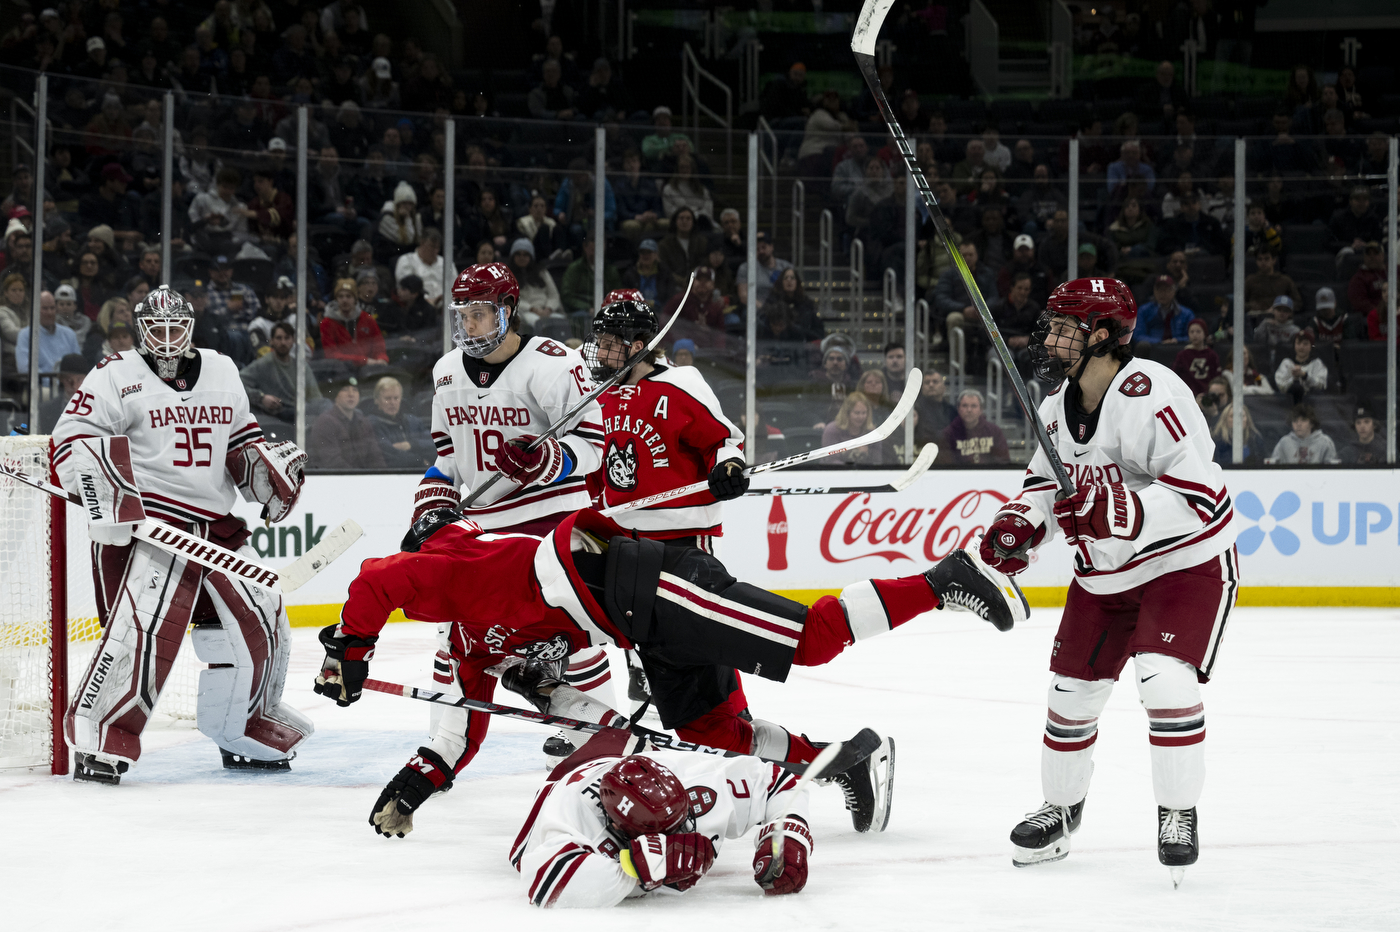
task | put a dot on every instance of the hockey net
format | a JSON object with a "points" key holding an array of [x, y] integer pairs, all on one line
{"points": [[48, 618]]}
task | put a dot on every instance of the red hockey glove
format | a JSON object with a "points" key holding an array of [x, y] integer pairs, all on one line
{"points": [[346, 666], [1100, 512], [788, 874], [425, 774], [727, 480], [530, 467], [433, 493], [678, 860], [1014, 530]]}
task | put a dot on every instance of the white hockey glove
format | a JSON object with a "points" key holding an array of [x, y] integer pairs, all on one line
{"points": [[103, 480], [270, 473]]}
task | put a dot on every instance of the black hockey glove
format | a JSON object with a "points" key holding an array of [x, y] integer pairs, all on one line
{"points": [[530, 678], [346, 666], [425, 774], [727, 480]]}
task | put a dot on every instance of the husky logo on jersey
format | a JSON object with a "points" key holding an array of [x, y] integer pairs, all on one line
{"points": [[556, 648], [621, 465], [1136, 385], [701, 798]]}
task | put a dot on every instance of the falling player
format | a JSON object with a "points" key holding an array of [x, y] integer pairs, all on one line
{"points": [[516, 597], [492, 395], [1155, 567], [664, 429], [615, 822], [172, 423]]}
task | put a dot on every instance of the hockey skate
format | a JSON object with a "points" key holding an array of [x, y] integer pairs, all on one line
{"points": [[868, 788], [234, 761], [557, 747], [964, 583], [1178, 842], [89, 768], [1042, 837]]}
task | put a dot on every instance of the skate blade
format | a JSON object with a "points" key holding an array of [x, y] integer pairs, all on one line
{"points": [[882, 771], [1178, 875], [101, 779], [1032, 857]]}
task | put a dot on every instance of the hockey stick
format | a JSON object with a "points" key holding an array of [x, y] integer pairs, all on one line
{"points": [[921, 465], [850, 753], [819, 765], [212, 556], [868, 23], [901, 411], [583, 402]]}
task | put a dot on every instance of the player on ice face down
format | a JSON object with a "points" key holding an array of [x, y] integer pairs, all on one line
{"points": [[518, 599], [164, 432], [494, 394], [1155, 566]]}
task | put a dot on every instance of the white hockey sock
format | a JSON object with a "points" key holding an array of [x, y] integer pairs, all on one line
{"points": [[1176, 728], [1071, 728], [590, 672]]}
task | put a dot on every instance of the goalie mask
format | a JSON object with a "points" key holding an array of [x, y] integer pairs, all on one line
{"points": [[642, 797], [626, 320], [483, 298], [1074, 311], [165, 322]]}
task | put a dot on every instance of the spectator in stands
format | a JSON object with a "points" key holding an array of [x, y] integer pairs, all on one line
{"points": [[731, 238], [639, 205], [541, 229], [381, 91], [488, 220], [1285, 154], [540, 305], [1304, 372], [874, 386], [1192, 231], [116, 312], [1183, 184], [89, 284], [786, 98], [1331, 326], [895, 369], [702, 315], [1307, 445], [684, 248], [1223, 433], [429, 87], [274, 212], [1163, 319], [218, 219], [1364, 289], [68, 314], [1016, 314], [1342, 150], [782, 349], [574, 203], [1091, 261], [148, 265], [1376, 327], [1302, 88], [647, 275], [910, 113], [234, 300], [410, 322], [1129, 167], [1254, 382], [972, 440], [683, 189], [1039, 201], [604, 97], [1279, 329], [1023, 259], [551, 99], [849, 173], [1368, 449], [349, 334], [1266, 283], [952, 305], [427, 263], [1376, 159], [855, 417], [1355, 225], [826, 127], [803, 321], [576, 290], [995, 246], [725, 282], [1161, 96], [342, 437], [1196, 363], [874, 189], [1132, 232], [110, 206], [14, 311], [1054, 247], [270, 380], [55, 340], [658, 145], [101, 242], [1021, 169], [403, 441], [968, 172], [72, 370], [935, 413], [400, 226]]}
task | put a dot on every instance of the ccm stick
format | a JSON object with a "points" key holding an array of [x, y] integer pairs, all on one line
{"points": [[919, 467], [212, 556], [868, 23], [583, 402], [849, 753], [887, 427]]}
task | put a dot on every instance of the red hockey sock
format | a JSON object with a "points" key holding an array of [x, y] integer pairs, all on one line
{"points": [[864, 610]]}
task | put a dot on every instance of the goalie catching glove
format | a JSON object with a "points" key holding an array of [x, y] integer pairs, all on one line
{"points": [[343, 672], [540, 466], [425, 774], [678, 860], [1015, 529], [786, 874], [269, 473], [1102, 511]]}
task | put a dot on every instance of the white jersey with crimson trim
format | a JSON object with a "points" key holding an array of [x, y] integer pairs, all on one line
{"points": [[180, 430], [662, 433], [477, 406], [567, 855], [1152, 438]]}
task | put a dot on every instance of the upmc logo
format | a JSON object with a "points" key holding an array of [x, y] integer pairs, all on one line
{"points": [[857, 529]]}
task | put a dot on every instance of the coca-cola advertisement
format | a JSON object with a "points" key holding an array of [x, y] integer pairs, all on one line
{"points": [[824, 542]]}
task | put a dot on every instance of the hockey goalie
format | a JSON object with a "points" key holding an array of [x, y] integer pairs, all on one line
{"points": [[164, 433]]}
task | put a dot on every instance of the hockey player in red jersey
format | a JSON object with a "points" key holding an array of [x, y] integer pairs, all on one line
{"points": [[511, 596], [1155, 567], [164, 432], [494, 394]]}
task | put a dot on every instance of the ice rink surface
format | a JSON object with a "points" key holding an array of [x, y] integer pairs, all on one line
{"points": [[1298, 820]]}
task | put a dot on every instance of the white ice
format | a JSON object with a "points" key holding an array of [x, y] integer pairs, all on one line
{"points": [[1298, 820]]}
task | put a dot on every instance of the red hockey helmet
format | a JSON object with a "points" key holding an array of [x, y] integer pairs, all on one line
{"points": [[491, 284], [642, 797], [1090, 301], [625, 294]]}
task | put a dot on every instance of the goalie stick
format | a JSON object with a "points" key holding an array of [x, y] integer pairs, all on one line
{"points": [[212, 556], [868, 23], [920, 466], [583, 402], [897, 416], [849, 753]]}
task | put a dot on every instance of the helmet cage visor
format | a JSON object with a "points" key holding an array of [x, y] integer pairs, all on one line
{"points": [[166, 337], [483, 345]]}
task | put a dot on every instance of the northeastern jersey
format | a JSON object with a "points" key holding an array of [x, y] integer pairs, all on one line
{"points": [[662, 433], [568, 856], [1150, 436], [478, 406], [180, 430]]}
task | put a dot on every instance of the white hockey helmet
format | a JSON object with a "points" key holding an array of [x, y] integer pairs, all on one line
{"points": [[165, 322]]}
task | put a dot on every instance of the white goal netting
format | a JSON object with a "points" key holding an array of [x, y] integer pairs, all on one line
{"points": [[27, 598]]}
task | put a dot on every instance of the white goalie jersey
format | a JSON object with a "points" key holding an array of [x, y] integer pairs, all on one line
{"points": [[180, 431], [568, 857], [1152, 438], [479, 406]]}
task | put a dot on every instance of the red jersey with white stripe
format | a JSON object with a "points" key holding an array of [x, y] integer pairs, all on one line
{"points": [[1152, 438], [180, 430], [568, 856], [478, 406], [662, 433]]}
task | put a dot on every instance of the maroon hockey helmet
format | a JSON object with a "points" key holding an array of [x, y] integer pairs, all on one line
{"points": [[625, 294], [642, 797], [493, 284], [1090, 301]]}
